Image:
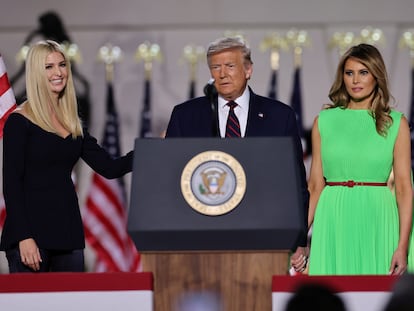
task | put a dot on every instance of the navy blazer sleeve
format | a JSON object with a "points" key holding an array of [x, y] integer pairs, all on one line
{"points": [[101, 161], [14, 153]]}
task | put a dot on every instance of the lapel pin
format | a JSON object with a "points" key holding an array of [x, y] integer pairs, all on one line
{"points": [[261, 115]]}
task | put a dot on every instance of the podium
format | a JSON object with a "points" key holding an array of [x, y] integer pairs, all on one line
{"points": [[193, 246]]}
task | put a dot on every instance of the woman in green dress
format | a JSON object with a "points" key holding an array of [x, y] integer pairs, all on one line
{"points": [[359, 226]]}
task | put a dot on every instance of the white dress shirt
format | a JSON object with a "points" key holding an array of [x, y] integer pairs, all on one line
{"points": [[241, 111]]}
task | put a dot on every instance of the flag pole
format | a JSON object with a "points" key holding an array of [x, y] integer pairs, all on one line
{"points": [[148, 53], [192, 54], [109, 55], [297, 40], [274, 42]]}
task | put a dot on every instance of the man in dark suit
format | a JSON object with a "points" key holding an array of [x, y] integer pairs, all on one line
{"points": [[231, 67]]}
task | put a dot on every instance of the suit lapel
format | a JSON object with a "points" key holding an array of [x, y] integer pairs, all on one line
{"points": [[255, 116]]}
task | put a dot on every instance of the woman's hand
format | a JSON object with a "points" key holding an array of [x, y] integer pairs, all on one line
{"points": [[29, 254], [299, 259], [398, 262]]}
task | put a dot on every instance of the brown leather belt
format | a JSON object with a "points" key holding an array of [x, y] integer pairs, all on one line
{"points": [[351, 183]]}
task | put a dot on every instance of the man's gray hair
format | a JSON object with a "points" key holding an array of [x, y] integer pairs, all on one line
{"points": [[229, 43]]}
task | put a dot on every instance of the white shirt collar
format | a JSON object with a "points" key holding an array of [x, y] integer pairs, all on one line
{"points": [[242, 101]]}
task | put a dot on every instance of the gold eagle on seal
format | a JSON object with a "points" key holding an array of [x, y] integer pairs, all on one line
{"points": [[213, 181]]}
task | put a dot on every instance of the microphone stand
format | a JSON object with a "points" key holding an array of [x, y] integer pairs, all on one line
{"points": [[211, 93]]}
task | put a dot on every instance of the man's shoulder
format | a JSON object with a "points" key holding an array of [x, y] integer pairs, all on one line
{"points": [[270, 103], [194, 103]]}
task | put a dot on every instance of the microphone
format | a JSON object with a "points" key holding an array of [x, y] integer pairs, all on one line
{"points": [[208, 88], [211, 93]]}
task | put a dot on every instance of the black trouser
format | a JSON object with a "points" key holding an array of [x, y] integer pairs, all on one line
{"points": [[52, 261]]}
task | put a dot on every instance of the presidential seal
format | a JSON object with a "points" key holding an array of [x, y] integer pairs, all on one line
{"points": [[213, 183]]}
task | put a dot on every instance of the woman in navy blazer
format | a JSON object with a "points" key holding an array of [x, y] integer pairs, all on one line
{"points": [[43, 140]]}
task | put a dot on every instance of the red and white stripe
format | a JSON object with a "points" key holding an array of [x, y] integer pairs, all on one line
{"points": [[77, 291], [7, 105], [7, 99], [2, 211], [105, 228], [358, 292]]}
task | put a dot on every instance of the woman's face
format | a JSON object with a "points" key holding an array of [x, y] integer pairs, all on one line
{"points": [[56, 72], [359, 83]]}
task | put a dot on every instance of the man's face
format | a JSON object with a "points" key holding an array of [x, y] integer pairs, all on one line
{"points": [[230, 73]]}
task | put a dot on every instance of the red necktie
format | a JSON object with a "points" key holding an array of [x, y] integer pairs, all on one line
{"points": [[233, 125]]}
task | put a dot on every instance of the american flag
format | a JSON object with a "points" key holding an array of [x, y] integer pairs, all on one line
{"points": [[7, 105], [105, 217], [191, 92], [296, 104], [7, 99], [2, 211], [145, 130], [296, 100], [273, 84]]}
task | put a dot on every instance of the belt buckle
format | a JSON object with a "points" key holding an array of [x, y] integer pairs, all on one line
{"points": [[350, 183]]}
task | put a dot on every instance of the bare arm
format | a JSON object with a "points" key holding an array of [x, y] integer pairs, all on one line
{"points": [[404, 195], [316, 181]]}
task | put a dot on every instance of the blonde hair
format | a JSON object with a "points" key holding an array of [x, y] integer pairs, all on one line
{"points": [[40, 97], [370, 57]]}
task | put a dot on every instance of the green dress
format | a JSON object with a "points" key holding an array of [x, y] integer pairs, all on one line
{"points": [[355, 229]]}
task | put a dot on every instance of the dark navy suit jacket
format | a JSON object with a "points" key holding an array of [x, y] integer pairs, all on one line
{"points": [[267, 117]]}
